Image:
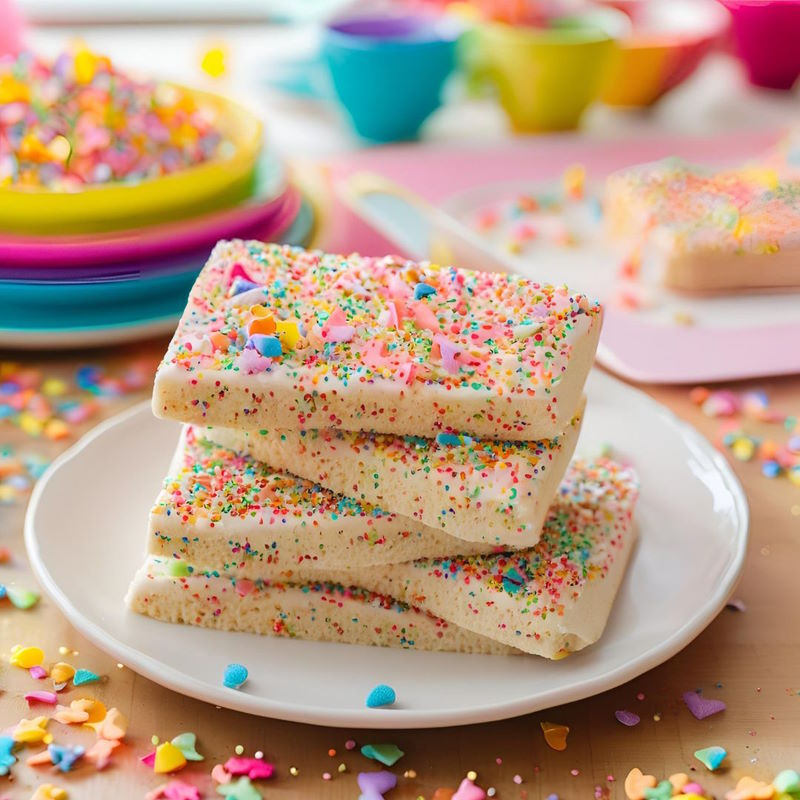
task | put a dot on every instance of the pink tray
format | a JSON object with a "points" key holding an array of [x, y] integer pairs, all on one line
{"points": [[633, 348]]}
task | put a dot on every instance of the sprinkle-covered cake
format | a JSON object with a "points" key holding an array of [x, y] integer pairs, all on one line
{"points": [[275, 336], [697, 229]]}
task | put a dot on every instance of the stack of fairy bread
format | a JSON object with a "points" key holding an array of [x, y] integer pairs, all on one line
{"points": [[378, 452]]}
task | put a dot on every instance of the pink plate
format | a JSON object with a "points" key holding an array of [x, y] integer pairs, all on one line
{"points": [[153, 242], [731, 338]]}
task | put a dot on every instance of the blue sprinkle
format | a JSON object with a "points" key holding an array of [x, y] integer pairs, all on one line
{"points": [[381, 695], [447, 438], [83, 676], [771, 469], [269, 346], [423, 290], [234, 676]]}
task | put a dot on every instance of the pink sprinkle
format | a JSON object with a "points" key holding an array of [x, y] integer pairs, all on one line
{"points": [[574, 772], [238, 271], [50, 698], [498, 761], [517, 779], [640, 696], [38, 672], [326, 776], [693, 788], [339, 333], [255, 768], [220, 775], [449, 352], [350, 744], [244, 587], [149, 760]]}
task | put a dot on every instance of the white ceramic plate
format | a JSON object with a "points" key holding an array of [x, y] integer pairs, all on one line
{"points": [[85, 532]]}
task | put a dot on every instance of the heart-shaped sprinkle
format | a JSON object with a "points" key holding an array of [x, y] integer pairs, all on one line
{"points": [[702, 707], [749, 788], [678, 780], [388, 754], [220, 774], [469, 791], [627, 718], [381, 695], [787, 782], [374, 785], [637, 782], [555, 735], [84, 676], [186, 743], [168, 758], [711, 757]]}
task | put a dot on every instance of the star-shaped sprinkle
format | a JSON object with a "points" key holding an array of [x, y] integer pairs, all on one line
{"points": [[374, 785], [255, 768], [388, 754], [7, 757], [711, 757], [100, 752], [30, 731], [84, 676], [174, 790], [186, 743], [240, 789], [65, 756], [47, 791], [661, 791]]}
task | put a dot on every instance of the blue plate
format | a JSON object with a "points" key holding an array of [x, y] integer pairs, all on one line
{"points": [[68, 307]]}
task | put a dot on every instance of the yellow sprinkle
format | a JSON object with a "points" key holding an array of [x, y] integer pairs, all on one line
{"points": [[288, 332], [472, 775], [213, 61], [743, 449], [26, 657], [293, 771]]}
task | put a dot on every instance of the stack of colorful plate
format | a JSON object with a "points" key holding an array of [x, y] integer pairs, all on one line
{"points": [[114, 261]]}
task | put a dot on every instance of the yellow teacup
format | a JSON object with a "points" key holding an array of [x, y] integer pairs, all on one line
{"points": [[546, 77]]}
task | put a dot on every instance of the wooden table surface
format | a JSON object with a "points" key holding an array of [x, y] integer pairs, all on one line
{"points": [[753, 655]]}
